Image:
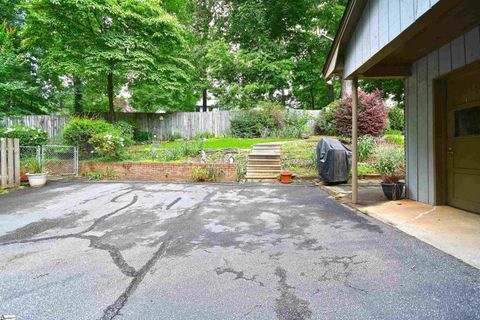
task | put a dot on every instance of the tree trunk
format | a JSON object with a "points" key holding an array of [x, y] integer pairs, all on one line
{"points": [[111, 107], [77, 102], [205, 100], [330, 93]]}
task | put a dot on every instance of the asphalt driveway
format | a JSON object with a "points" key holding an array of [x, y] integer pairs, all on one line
{"points": [[186, 251]]}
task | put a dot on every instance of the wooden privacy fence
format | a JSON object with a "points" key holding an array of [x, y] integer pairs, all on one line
{"points": [[9, 163], [187, 124]]}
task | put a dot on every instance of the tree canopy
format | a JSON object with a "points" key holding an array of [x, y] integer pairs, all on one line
{"points": [[83, 55]]}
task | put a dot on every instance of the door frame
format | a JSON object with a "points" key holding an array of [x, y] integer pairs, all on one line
{"points": [[440, 130]]}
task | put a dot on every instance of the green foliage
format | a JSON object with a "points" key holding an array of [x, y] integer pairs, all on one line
{"points": [[28, 136], [388, 87], [108, 174], [204, 135], [108, 145], [114, 42], [173, 137], [34, 166], [398, 139], [142, 136], [326, 121], [366, 145], [270, 121], [300, 157], [199, 175], [211, 173], [396, 118], [364, 169], [79, 131], [246, 125], [20, 89], [389, 160], [185, 149], [126, 130]]}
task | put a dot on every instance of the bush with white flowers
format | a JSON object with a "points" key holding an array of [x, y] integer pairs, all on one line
{"points": [[109, 145], [28, 136]]}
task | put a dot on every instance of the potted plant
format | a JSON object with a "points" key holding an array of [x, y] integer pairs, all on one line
{"points": [[389, 162], [36, 176]]}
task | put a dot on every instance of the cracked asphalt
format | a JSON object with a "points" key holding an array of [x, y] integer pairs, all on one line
{"points": [[130, 250]]}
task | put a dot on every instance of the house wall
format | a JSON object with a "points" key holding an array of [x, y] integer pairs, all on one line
{"points": [[381, 22], [420, 110]]}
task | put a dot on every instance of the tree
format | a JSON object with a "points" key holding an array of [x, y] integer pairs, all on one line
{"points": [[265, 51], [388, 87], [20, 91], [124, 41]]}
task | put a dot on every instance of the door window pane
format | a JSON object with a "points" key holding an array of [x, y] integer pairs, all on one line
{"points": [[467, 122]]}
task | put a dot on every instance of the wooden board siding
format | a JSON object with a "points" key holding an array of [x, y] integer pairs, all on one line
{"points": [[420, 110], [381, 22]]}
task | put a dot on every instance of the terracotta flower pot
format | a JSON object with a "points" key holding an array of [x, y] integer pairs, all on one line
{"points": [[286, 177]]}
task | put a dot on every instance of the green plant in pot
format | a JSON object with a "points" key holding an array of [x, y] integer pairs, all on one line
{"points": [[37, 177], [389, 162]]}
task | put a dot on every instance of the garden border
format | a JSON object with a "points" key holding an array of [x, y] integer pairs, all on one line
{"points": [[156, 171]]}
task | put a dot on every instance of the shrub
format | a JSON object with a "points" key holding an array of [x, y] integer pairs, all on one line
{"points": [[28, 136], [199, 175], [126, 130], [79, 131], [210, 173], [204, 135], [142, 136], [372, 115], [366, 144], [247, 124], [396, 118], [326, 121], [108, 145], [173, 137], [389, 161]]}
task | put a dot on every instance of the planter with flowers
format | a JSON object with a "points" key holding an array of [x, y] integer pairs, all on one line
{"points": [[389, 162]]}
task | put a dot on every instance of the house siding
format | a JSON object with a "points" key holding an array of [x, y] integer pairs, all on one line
{"points": [[381, 22], [420, 110]]}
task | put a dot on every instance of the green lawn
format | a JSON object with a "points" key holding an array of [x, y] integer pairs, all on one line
{"points": [[224, 143]]}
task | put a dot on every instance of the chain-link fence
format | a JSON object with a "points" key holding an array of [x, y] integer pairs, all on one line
{"points": [[56, 160]]}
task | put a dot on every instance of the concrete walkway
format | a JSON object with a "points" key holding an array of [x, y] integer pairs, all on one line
{"points": [[454, 231]]}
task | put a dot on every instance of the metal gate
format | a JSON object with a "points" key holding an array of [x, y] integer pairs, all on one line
{"points": [[56, 160]]}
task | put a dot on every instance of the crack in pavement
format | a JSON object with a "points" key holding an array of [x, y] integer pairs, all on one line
{"points": [[238, 274], [115, 254], [173, 203], [77, 234], [113, 310], [288, 306]]}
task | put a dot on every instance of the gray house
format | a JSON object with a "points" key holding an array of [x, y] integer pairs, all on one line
{"points": [[434, 45]]}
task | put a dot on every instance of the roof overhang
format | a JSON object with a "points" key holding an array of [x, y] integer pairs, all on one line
{"points": [[351, 16], [444, 22]]}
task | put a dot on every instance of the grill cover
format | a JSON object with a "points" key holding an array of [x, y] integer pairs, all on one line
{"points": [[334, 161]]}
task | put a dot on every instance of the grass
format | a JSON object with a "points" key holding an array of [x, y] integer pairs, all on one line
{"points": [[398, 139], [364, 168], [300, 157], [225, 143]]}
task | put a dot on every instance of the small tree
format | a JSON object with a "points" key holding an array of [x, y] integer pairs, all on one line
{"points": [[372, 115]]}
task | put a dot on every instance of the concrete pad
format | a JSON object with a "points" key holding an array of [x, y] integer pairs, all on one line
{"points": [[454, 231]]}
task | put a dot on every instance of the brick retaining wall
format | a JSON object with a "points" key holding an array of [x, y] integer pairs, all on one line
{"points": [[155, 171]]}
